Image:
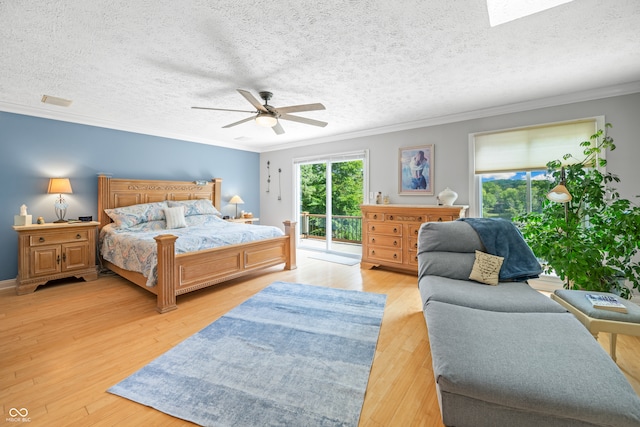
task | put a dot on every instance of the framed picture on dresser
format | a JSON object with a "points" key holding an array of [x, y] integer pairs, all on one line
{"points": [[415, 170]]}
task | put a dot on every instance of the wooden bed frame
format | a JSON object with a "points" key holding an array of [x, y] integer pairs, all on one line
{"points": [[182, 273]]}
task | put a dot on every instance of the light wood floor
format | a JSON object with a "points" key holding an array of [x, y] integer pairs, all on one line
{"points": [[67, 343]]}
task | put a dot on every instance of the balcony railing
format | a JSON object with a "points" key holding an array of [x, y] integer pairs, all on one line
{"points": [[344, 228]]}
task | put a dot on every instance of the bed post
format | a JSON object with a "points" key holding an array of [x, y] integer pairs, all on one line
{"points": [[166, 286], [290, 230], [103, 199], [216, 197]]}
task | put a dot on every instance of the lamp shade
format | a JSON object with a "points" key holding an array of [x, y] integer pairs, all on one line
{"points": [[559, 194], [236, 200], [59, 186], [266, 120]]}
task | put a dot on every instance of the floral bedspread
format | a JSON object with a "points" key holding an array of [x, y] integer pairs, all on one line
{"points": [[135, 249]]}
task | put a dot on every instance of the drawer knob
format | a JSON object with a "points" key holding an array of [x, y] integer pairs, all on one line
{"points": [[395, 243], [78, 236], [373, 252], [373, 228], [41, 239], [391, 217], [440, 219], [373, 240], [415, 232], [395, 230], [375, 216], [395, 256], [58, 259]]}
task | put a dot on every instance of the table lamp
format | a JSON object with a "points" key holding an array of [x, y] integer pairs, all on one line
{"points": [[237, 201], [60, 186]]}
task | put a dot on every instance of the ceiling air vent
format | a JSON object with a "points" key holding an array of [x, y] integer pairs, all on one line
{"points": [[55, 101]]}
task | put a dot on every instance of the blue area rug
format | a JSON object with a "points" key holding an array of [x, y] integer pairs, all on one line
{"points": [[291, 355]]}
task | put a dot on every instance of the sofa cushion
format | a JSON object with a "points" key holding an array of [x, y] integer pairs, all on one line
{"points": [[516, 297], [455, 265], [450, 236], [537, 363]]}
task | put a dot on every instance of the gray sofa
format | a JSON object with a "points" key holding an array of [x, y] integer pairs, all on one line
{"points": [[507, 355]]}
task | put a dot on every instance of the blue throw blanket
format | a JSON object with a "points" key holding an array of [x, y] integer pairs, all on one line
{"points": [[502, 238]]}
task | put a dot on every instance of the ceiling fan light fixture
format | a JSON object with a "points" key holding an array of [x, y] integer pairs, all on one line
{"points": [[266, 120]]}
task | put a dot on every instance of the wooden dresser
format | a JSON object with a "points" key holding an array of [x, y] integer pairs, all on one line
{"points": [[55, 251], [390, 233]]}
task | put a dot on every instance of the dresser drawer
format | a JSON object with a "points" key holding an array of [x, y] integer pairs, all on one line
{"points": [[38, 239], [374, 216], [385, 254], [407, 218], [388, 241], [413, 243], [440, 218], [413, 258], [390, 228], [414, 230]]}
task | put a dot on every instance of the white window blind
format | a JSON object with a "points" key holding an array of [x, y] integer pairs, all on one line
{"points": [[333, 158], [527, 149]]}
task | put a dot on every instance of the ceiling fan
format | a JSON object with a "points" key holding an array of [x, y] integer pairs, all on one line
{"points": [[268, 115]]}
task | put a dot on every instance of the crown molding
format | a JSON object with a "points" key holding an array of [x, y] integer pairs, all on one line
{"points": [[589, 95], [64, 116]]}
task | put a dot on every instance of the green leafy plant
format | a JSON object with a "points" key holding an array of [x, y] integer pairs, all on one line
{"points": [[592, 241]]}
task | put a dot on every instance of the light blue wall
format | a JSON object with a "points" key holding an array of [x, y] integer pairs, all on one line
{"points": [[34, 149]]}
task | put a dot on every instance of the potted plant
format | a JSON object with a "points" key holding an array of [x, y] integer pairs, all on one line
{"points": [[591, 242]]}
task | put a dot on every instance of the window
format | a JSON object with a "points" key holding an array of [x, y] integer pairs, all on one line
{"points": [[507, 194], [509, 170]]}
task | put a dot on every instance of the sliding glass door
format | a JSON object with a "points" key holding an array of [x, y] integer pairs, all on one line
{"points": [[330, 190]]}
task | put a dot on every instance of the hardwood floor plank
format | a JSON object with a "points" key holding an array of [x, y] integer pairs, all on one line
{"points": [[68, 342]]}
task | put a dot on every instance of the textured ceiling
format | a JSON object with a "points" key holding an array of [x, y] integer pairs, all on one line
{"points": [[375, 64]]}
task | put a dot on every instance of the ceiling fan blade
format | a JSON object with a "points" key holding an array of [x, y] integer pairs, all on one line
{"points": [[300, 108], [238, 122], [252, 99], [278, 129], [223, 109], [303, 120]]}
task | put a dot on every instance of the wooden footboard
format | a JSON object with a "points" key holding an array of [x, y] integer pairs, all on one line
{"points": [[179, 274]]}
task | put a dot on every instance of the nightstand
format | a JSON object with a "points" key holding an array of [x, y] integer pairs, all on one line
{"points": [[55, 251], [244, 220]]}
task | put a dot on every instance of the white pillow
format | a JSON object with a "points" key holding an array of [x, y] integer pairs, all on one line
{"points": [[175, 217]]}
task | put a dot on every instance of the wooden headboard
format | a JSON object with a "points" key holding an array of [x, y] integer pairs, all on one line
{"points": [[116, 193]]}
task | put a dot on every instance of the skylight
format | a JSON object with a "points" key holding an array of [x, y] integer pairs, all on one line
{"points": [[501, 11]]}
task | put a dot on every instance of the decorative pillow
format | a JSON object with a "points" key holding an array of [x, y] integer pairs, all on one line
{"points": [[195, 207], [486, 268], [175, 217], [129, 216]]}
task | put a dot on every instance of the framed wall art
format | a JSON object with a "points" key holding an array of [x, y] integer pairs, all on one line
{"points": [[415, 167]]}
